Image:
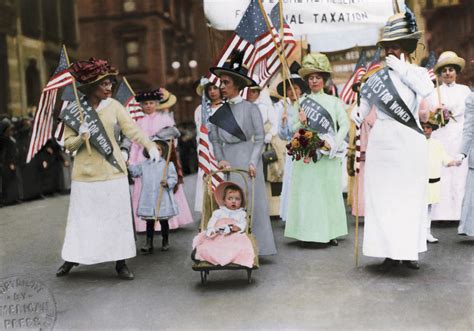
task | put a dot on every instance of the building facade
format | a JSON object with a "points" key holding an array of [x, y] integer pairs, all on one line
{"points": [[153, 43], [32, 33]]}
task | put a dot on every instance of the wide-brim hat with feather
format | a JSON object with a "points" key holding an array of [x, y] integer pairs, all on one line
{"points": [[219, 193], [403, 28], [91, 72], [202, 84], [155, 95], [314, 63], [295, 78], [167, 101], [234, 67], [449, 58]]}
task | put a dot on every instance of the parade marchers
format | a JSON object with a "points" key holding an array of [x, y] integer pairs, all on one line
{"points": [[402, 177]]}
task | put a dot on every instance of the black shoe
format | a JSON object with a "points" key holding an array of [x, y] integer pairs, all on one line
{"points": [[165, 246], [65, 268], [148, 247], [387, 264], [333, 242], [124, 273], [412, 264]]}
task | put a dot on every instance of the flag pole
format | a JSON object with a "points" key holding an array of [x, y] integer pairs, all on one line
{"points": [[283, 73], [281, 55], [128, 85], [76, 96], [439, 99]]}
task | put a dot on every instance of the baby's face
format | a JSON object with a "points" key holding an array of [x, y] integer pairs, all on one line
{"points": [[232, 200]]}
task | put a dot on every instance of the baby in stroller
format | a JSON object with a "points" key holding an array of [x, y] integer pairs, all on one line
{"points": [[225, 240]]}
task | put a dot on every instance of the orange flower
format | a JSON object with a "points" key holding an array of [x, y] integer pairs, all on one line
{"points": [[295, 143], [308, 134]]}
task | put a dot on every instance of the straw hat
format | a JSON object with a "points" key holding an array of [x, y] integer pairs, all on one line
{"points": [[449, 58], [403, 28], [167, 101], [234, 67], [314, 63], [294, 78], [91, 72], [219, 193]]}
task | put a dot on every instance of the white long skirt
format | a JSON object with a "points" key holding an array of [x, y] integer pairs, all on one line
{"points": [[396, 200], [285, 191], [99, 224], [199, 191]]}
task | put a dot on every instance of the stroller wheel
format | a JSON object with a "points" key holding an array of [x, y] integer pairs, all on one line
{"points": [[249, 276]]}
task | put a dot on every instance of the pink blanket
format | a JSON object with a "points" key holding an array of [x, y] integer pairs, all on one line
{"points": [[224, 249]]}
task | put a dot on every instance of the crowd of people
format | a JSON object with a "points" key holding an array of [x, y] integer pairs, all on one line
{"points": [[47, 174], [411, 143]]}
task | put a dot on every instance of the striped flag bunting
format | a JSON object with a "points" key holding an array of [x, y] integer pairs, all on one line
{"points": [[347, 94], [206, 159], [430, 65], [125, 95], [43, 121], [254, 39]]}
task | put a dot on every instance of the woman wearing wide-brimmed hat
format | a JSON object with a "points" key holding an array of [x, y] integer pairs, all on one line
{"points": [[316, 211], [99, 225], [237, 134], [213, 99], [396, 173], [285, 127], [153, 103], [453, 97]]}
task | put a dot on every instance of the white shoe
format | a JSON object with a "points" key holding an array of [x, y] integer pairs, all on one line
{"points": [[431, 239]]}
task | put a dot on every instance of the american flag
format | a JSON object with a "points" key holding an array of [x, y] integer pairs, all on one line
{"points": [[430, 65], [374, 65], [126, 97], [254, 39], [206, 159], [347, 94], [44, 118]]}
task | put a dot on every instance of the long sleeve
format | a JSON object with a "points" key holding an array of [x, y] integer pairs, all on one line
{"points": [[468, 130], [241, 221], [343, 122], [172, 178], [216, 142], [259, 134], [131, 129], [363, 110], [72, 140], [135, 170], [216, 215], [418, 80]]}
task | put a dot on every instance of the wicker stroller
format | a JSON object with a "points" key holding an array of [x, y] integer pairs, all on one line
{"points": [[209, 205]]}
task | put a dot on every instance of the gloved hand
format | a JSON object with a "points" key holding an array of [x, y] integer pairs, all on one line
{"points": [[331, 153], [154, 154], [226, 230], [400, 66], [355, 116], [460, 157], [84, 131], [268, 138], [124, 155]]}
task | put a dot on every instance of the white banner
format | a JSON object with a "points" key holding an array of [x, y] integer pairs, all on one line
{"points": [[329, 25]]}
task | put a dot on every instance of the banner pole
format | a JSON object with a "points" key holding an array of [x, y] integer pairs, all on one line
{"points": [[76, 96]]}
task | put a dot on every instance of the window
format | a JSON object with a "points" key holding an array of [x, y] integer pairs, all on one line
{"points": [[132, 54], [129, 6], [32, 83]]}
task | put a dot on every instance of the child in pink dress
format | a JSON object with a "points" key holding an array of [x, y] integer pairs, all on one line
{"points": [[225, 240]]}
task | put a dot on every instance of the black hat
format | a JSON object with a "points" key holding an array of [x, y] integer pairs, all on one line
{"points": [[233, 66], [155, 95], [294, 78]]}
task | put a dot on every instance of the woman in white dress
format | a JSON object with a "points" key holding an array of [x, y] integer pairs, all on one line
{"points": [[452, 97], [99, 223]]}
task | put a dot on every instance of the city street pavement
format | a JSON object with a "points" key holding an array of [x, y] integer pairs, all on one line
{"points": [[312, 288]]}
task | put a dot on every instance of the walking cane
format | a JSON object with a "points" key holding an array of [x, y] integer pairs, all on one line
{"points": [[163, 177]]}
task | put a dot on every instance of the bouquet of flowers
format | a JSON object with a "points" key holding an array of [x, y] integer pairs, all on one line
{"points": [[305, 145], [441, 117]]}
